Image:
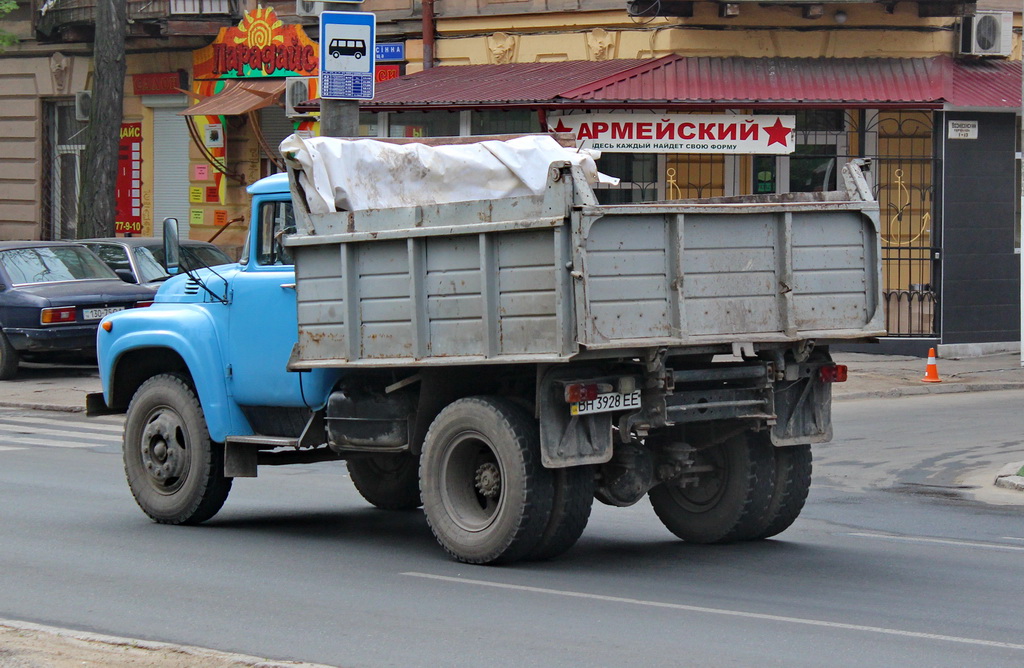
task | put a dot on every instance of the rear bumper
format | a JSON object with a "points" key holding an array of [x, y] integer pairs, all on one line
{"points": [[68, 338]]}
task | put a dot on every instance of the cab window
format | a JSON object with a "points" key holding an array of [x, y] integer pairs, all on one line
{"points": [[276, 220]]}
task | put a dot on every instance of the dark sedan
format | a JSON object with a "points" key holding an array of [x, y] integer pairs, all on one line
{"points": [[53, 295], [140, 259]]}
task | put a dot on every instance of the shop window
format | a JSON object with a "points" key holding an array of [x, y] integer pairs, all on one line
{"points": [[637, 174], [503, 122], [423, 124], [370, 124], [822, 144]]}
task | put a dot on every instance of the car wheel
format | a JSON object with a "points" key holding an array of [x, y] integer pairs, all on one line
{"points": [[389, 482], [486, 495], [730, 498], [174, 470]]}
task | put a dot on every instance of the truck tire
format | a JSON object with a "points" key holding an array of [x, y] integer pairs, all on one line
{"points": [[728, 503], [389, 482], [486, 496], [789, 491], [8, 359], [570, 509], [175, 472]]}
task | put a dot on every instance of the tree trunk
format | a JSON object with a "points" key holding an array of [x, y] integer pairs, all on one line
{"points": [[97, 193]]}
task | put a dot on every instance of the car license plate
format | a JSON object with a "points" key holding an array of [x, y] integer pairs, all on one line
{"points": [[97, 313], [609, 401]]}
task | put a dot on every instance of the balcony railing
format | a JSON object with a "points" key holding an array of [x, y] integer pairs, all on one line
{"points": [[56, 14]]}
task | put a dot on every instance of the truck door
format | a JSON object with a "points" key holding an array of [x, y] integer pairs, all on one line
{"points": [[262, 327]]}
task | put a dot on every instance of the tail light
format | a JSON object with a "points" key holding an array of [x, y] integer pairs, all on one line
{"points": [[58, 315], [577, 392], [834, 373], [143, 304]]}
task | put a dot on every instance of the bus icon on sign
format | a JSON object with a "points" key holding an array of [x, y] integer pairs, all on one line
{"points": [[347, 47]]}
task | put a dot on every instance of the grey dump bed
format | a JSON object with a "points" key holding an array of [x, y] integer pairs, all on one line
{"points": [[548, 278]]}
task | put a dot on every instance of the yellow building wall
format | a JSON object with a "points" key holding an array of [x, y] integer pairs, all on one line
{"points": [[867, 31]]}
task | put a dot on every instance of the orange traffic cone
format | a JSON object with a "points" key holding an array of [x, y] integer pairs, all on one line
{"points": [[931, 372]]}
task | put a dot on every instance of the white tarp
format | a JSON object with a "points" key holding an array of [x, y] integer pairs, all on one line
{"points": [[359, 174]]}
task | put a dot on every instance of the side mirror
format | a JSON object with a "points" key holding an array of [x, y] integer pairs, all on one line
{"points": [[172, 246]]}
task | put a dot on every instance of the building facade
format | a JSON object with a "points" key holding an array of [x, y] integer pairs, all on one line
{"points": [[927, 91]]}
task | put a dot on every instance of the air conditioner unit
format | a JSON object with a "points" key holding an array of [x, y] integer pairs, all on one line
{"points": [[308, 8], [296, 91], [83, 105], [987, 34]]}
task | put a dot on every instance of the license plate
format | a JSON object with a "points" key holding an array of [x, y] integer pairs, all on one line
{"points": [[609, 401], [97, 313]]}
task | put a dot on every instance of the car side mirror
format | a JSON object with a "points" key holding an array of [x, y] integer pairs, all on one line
{"points": [[172, 246], [125, 275]]}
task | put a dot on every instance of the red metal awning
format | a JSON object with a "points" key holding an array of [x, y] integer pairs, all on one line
{"points": [[676, 82], [239, 96]]}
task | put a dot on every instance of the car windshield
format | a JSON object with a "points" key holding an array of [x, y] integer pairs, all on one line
{"points": [[47, 264], [208, 256], [194, 256], [150, 268]]}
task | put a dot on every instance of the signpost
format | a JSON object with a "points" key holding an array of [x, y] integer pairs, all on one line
{"points": [[347, 59], [347, 55]]}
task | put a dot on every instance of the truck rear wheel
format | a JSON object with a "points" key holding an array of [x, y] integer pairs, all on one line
{"points": [[389, 482], [729, 501], [174, 471], [570, 510], [486, 495], [790, 487]]}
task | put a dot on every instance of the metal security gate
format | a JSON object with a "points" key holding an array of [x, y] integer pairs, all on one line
{"points": [[63, 144], [903, 173]]}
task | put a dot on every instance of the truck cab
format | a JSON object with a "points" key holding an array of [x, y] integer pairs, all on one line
{"points": [[228, 331]]}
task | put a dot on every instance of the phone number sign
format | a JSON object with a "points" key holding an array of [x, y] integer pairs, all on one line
{"points": [[347, 55]]}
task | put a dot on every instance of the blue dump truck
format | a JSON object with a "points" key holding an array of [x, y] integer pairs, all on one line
{"points": [[503, 361]]}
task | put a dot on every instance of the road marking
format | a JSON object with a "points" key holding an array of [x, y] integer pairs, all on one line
{"points": [[107, 427], [724, 612], [941, 541], [4, 447], [12, 439], [16, 432], [1011, 538]]}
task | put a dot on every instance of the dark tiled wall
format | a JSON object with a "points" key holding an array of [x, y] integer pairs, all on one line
{"points": [[981, 272]]}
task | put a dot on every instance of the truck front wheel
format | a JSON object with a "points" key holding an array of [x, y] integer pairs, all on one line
{"points": [[730, 498], [175, 472], [486, 495], [390, 482]]}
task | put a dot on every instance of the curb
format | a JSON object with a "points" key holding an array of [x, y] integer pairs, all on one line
{"points": [[1008, 477], [950, 388], [196, 653], [60, 408]]}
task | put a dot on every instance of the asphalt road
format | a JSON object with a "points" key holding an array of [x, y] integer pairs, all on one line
{"points": [[894, 561]]}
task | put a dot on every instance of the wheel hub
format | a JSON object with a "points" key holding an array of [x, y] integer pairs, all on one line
{"points": [[488, 481], [164, 455]]}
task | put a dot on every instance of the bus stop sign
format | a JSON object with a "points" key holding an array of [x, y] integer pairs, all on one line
{"points": [[347, 55]]}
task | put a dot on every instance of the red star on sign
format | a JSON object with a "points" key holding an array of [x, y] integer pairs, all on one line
{"points": [[777, 133], [561, 128]]}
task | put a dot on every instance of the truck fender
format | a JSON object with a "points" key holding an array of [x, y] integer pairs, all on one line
{"points": [[194, 340]]}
